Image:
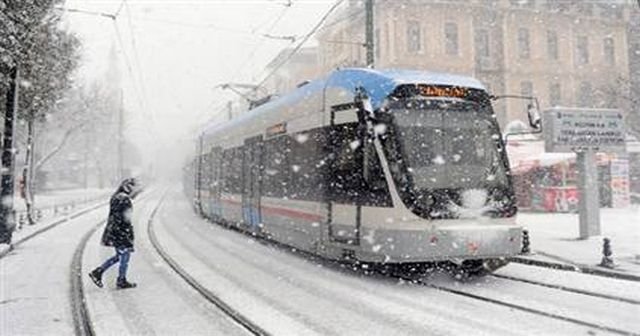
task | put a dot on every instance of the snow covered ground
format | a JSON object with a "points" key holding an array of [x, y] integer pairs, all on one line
{"points": [[34, 284], [555, 237], [286, 293], [283, 292]]}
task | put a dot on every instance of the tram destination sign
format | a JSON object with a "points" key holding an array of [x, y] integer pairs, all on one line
{"points": [[578, 130]]}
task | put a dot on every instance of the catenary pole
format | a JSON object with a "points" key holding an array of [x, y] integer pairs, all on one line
{"points": [[7, 220], [369, 34]]}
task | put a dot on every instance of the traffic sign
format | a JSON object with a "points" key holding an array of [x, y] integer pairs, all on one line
{"points": [[582, 129]]}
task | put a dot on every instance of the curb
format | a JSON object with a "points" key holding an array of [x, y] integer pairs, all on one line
{"points": [[580, 268]]}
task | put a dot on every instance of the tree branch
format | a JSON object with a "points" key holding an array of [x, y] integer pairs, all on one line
{"points": [[58, 147]]}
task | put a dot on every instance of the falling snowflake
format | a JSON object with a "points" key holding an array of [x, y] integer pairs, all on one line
{"points": [[302, 138]]}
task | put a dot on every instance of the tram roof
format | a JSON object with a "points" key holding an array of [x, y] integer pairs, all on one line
{"points": [[379, 84]]}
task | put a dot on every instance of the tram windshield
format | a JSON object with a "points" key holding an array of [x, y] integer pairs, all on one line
{"points": [[446, 147]]}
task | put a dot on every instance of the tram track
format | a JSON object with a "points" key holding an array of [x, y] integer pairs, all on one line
{"points": [[519, 307], [499, 302], [546, 306], [82, 324], [567, 289], [81, 320], [241, 320]]}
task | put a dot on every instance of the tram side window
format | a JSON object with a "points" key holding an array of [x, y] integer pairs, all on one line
{"points": [[276, 181], [215, 168], [307, 165], [232, 168], [226, 168], [346, 178], [204, 171]]}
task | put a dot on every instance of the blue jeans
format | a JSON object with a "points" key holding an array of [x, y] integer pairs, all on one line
{"points": [[122, 255]]}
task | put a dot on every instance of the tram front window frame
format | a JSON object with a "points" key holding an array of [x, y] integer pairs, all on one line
{"points": [[426, 190]]}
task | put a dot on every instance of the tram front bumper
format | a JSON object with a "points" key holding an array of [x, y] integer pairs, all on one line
{"points": [[454, 242]]}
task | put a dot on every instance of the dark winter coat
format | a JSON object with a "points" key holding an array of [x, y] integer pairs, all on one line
{"points": [[119, 231]]}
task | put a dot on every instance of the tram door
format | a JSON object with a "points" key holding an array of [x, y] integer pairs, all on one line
{"points": [[252, 181], [215, 189], [344, 211]]}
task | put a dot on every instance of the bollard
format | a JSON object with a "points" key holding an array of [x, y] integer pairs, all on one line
{"points": [[607, 254], [526, 244]]}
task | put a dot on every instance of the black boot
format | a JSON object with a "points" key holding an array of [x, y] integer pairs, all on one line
{"points": [[124, 284], [96, 276]]}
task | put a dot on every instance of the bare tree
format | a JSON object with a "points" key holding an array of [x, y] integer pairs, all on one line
{"points": [[46, 56]]}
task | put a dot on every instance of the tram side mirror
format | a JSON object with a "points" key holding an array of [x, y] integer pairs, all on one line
{"points": [[367, 107], [535, 120]]}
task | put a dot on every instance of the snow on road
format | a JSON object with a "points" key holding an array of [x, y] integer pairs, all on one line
{"points": [[283, 292], [286, 293], [586, 282], [162, 304]]}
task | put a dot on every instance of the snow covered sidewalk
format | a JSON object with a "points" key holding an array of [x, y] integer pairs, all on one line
{"points": [[85, 199], [554, 238]]}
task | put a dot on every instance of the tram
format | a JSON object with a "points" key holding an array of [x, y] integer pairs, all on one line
{"points": [[376, 166]]}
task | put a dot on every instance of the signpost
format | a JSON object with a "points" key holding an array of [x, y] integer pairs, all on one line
{"points": [[585, 132]]}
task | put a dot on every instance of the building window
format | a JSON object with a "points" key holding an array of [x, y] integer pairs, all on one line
{"points": [[413, 37], [611, 11], [585, 95], [523, 43], [609, 51], [451, 38], [526, 89], [582, 50], [552, 44], [482, 43], [555, 95]]}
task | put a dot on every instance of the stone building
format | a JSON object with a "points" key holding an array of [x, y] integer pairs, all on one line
{"points": [[566, 53], [289, 70]]}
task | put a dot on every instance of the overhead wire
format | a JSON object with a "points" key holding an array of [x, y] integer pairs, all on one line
{"points": [[302, 42], [197, 25], [138, 67], [119, 8], [251, 55]]}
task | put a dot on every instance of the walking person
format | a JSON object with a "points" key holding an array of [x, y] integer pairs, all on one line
{"points": [[118, 234]]}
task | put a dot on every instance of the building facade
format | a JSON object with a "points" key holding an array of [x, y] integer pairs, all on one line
{"points": [[566, 53]]}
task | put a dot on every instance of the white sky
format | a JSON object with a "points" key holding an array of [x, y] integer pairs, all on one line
{"points": [[184, 48]]}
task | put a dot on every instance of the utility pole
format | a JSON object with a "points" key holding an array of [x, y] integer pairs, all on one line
{"points": [[7, 220], [369, 38]]}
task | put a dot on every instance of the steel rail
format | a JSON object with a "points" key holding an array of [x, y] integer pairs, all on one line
{"points": [[520, 307], [81, 320], [235, 315], [568, 289]]}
